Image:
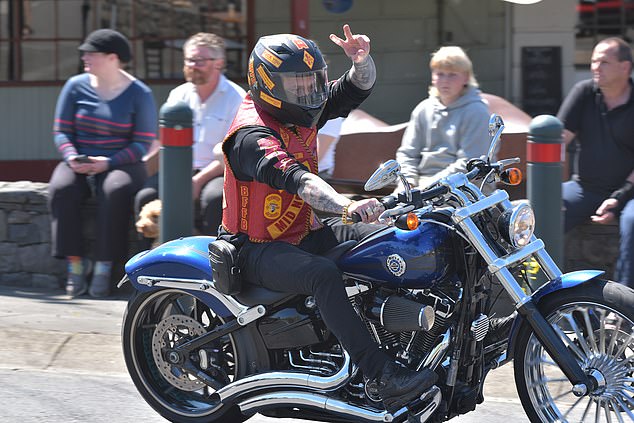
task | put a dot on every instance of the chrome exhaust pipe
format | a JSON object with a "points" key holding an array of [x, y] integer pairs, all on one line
{"points": [[287, 380], [317, 401]]}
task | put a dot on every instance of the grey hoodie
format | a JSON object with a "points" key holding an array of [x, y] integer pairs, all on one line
{"points": [[440, 140]]}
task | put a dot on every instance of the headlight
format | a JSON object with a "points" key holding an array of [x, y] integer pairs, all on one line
{"points": [[517, 224]]}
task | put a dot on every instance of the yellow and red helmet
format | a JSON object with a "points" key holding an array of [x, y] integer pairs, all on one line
{"points": [[288, 78]]}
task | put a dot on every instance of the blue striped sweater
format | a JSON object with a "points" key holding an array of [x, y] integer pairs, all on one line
{"points": [[120, 129]]}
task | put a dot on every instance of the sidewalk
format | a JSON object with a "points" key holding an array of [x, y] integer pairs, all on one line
{"points": [[43, 330]]}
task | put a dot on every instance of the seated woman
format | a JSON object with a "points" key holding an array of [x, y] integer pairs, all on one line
{"points": [[105, 120]]}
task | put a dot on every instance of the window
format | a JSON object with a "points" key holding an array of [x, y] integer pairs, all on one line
{"points": [[39, 38], [598, 19]]}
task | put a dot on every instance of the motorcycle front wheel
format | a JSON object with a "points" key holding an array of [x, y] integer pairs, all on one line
{"points": [[596, 322], [157, 321]]}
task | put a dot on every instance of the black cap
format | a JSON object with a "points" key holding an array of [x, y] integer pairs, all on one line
{"points": [[108, 41]]}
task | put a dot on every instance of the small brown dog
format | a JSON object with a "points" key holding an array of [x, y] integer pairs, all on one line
{"points": [[148, 223]]}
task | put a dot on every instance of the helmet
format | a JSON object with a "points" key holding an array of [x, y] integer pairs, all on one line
{"points": [[287, 78]]}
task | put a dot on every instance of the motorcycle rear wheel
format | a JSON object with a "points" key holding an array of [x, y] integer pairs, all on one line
{"points": [[596, 322], [159, 319]]}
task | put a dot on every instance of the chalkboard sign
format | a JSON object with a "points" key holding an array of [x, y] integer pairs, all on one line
{"points": [[541, 80]]}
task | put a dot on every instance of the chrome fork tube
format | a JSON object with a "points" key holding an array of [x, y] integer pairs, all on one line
{"points": [[499, 265]]}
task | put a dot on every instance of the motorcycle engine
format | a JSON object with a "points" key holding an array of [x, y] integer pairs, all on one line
{"points": [[407, 323]]}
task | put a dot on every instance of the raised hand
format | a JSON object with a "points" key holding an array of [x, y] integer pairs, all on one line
{"points": [[356, 47]]}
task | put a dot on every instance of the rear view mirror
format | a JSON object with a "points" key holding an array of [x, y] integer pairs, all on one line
{"points": [[385, 175]]}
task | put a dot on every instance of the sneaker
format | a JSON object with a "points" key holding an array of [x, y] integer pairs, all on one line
{"points": [[398, 385], [76, 285], [99, 286]]}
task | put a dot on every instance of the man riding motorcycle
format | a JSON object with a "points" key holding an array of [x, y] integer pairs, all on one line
{"points": [[271, 189]]}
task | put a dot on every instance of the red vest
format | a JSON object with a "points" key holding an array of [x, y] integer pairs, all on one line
{"points": [[263, 213]]}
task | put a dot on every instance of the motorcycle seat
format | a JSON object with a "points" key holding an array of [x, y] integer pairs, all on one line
{"points": [[336, 252], [251, 294]]}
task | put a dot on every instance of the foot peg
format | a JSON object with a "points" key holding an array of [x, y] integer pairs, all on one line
{"points": [[429, 401]]}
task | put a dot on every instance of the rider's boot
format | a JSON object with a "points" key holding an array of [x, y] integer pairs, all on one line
{"points": [[398, 385]]}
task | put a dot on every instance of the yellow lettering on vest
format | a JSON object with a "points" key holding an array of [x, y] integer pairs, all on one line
{"points": [[244, 211], [277, 228]]}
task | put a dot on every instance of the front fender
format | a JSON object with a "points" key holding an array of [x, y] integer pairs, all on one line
{"points": [[565, 281]]}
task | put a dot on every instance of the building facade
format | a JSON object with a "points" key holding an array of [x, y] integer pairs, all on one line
{"points": [[528, 54]]}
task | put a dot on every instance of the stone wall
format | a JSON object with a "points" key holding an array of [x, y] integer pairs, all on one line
{"points": [[25, 237], [25, 240]]}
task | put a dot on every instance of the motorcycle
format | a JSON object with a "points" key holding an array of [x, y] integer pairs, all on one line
{"points": [[426, 286]]}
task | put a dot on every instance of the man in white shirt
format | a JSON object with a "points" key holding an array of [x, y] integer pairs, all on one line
{"points": [[214, 101]]}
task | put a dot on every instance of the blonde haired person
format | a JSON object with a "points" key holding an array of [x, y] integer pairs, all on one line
{"points": [[450, 126]]}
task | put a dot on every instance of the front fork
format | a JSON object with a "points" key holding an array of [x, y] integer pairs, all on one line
{"points": [[526, 307], [554, 345]]}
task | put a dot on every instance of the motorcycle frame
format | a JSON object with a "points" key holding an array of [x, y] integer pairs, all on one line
{"points": [[459, 187]]}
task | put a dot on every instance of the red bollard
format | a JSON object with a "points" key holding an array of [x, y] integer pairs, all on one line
{"points": [[175, 171]]}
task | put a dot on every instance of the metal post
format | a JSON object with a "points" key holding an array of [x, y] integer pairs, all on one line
{"points": [[175, 171], [544, 156]]}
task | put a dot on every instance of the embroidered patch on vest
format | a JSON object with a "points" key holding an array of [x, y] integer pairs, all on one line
{"points": [[282, 224], [272, 206], [244, 208]]}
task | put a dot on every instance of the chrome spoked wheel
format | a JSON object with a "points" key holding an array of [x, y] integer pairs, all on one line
{"points": [[602, 340]]}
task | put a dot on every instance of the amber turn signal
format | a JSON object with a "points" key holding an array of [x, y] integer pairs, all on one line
{"points": [[512, 176], [412, 221]]}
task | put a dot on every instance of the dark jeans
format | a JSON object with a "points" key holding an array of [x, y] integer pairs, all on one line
{"points": [[114, 191], [283, 267], [208, 210], [580, 204]]}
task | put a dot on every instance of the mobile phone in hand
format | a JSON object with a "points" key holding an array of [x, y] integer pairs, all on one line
{"points": [[82, 158]]}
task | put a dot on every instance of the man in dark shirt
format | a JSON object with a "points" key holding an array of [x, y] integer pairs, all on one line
{"points": [[599, 114], [271, 188]]}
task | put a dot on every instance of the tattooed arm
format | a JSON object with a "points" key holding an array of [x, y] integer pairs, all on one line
{"points": [[363, 74], [321, 196]]}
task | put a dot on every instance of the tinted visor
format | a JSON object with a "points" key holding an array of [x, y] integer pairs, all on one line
{"points": [[304, 89]]}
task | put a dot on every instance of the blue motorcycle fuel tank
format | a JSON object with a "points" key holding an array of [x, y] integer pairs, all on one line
{"points": [[416, 259]]}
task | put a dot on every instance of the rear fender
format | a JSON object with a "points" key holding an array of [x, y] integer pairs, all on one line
{"points": [[565, 281], [182, 264]]}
